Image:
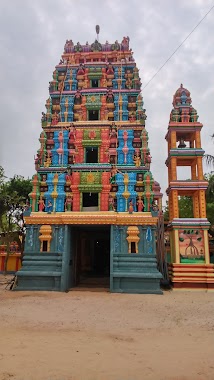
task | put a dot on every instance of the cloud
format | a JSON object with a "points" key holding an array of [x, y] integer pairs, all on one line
{"points": [[32, 40]]}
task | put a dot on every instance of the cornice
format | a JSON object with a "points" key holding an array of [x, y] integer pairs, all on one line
{"points": [[92, 218]]}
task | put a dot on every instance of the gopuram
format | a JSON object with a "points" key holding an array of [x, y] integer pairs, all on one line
{"points": [[94, 206], [190, 259]]}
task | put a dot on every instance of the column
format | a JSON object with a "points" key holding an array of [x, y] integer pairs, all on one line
{"points": [[197, 139], [202, 203], [193, 171], [173, 140], [196, 208], [174, 169], [200, 168], [175, 204], [177, 250], [206, 247], [171, 214]]}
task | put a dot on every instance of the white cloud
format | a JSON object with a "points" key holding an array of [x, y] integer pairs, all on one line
{"points": [[32, 40]]}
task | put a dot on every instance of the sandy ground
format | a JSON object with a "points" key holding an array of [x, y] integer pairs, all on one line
{"points": [[101, 336]]}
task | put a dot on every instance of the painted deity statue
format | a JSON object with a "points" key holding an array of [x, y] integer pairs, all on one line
{"points": [[81, 69], [137, 159], [44, 177], [37, 162], [41, 204], [68, 203], [71, 132], [155, 206], [110, 97], [48, 161], [140, 204], [55, 118], [111, 204], [110, 70], [113, 131], [148, 159], [49, 207], [113, 174], [68, 176], [131, 207]]}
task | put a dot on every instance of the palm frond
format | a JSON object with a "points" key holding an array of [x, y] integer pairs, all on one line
{"points": [[209, 159]]}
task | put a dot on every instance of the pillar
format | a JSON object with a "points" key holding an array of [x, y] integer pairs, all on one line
{"points": [[202, 203], [196, 208]]}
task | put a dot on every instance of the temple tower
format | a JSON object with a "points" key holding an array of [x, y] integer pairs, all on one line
{"points": [[190, 262], [94, 204]]}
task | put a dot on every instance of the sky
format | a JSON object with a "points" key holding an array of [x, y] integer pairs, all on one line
{"points": [[32, 38]]}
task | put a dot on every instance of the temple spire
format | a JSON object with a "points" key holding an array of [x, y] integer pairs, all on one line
{"points": [[97, 31]]}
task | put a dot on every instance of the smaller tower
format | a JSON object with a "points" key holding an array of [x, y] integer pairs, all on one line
{"points": [[190, 261]]}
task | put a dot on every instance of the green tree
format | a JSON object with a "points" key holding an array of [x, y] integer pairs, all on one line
{"points": [[166, 212], [210, 200], [186, 205], [13, 197], [210, 158], [185, 208]]}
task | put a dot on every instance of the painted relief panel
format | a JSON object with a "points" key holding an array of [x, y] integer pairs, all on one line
{"points": [[191, 245]]}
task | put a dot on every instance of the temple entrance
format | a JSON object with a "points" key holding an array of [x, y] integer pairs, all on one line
{"points": [[91, 256]]}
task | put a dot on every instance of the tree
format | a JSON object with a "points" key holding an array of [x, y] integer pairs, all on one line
{"points": [[209, 158], [2, 176], [186, 205], [185, 208], [210, 200], [13, 197]]}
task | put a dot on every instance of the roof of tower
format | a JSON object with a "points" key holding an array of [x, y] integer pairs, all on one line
{"points": [[70, 47], [183, 110], [156, 186], [182, 97]]}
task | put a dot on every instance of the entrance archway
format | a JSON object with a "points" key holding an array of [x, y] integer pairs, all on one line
{"points": [[91, 256]]}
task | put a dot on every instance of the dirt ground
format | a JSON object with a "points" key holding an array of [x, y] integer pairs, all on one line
{"points": [[85, 335]]}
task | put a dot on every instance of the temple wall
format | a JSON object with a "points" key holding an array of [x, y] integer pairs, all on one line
{"points": [[134, 272]]}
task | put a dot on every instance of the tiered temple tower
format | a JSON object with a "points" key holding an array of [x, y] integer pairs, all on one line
{"points": [[94, 203], [190, 262]]}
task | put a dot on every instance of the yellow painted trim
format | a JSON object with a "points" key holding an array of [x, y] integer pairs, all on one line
{"points": [[107, 217], [206, 247], [186, 274], [177, 250], [192, 290]]}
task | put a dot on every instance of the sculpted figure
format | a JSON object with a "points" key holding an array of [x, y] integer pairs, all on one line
{"points": [[111, 204], [137, 160], [68, 203], [131, 207], [140, 205], [41, 204], [49, 207]]}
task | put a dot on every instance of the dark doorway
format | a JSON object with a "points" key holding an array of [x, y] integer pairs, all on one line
{"points": [[133, 247], [92, 256], [94, 83], [93, 115], [91, 155], [90, 199], [44, 246]]}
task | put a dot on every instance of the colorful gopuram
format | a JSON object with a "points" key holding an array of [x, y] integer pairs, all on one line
{"points": [[94, 205], [190, 261]]}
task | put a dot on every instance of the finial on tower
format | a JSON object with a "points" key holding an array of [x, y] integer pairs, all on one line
{"points": [[97, 31]]}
